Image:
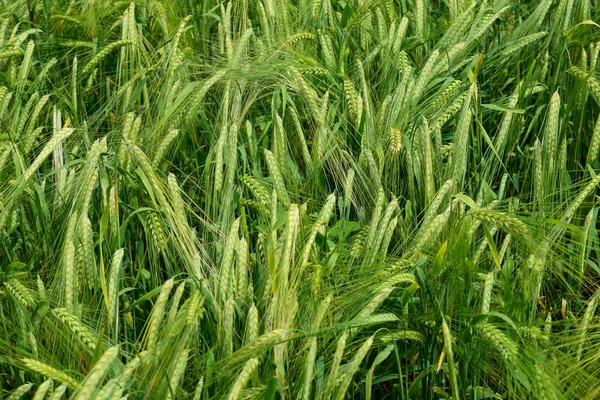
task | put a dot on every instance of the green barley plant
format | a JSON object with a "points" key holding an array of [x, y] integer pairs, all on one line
{"points": [[309, 199]]}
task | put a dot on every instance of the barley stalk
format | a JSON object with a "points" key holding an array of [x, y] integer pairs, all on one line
{"points": [[50, 146], [309, 368], [228, 326], [424, 76], [335, 365], [227, 261], [574, 205], [277, 177], [10, 53], [461, 143], [256, 347], [74, 85], [164, 145], [500, 219], [401, 335], [594, 149], [199, 388], [20, 292], [488, 287], [25, 65], [591, 82], [503, 344], [177, 373], [96, 374], [76, 326], [41, 391], [428, 159], [452, 371], [585, 322], [519, 44], [157, 315], [242, 379], [322, 220], [375, 219], [69, 265], [58, 393], [103, 53], [50, 372], [25, 113], [353, 367], [113, 282], [551, 133], [487, 22], [431, 230], [384, 224], [501, 136], [29, 136], [242, 265], [420, 18], [251, 325], [20, 391]]}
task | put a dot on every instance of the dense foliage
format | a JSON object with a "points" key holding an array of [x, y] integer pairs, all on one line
{"points": [[299, 199]]}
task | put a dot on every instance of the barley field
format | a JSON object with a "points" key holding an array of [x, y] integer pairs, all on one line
{"points": [[299, 199]]}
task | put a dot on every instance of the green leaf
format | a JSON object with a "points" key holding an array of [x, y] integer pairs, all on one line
{"points": [[467, 200], [492, 246], [13, 266], [272, 389], [144, 298], [98, 348], [522, 379], [381, 357]]}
